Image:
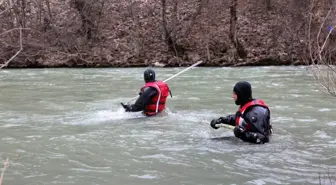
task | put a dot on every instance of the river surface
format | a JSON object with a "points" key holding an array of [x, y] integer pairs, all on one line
{"points": [[66, 126]]}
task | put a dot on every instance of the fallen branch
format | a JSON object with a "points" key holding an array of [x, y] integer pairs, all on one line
{"points": [[3, 171], [21, 47]]}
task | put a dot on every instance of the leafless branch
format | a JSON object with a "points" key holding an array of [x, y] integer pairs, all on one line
{"points": [[325, 42], [322, 25], [4, 11], [323, 68], [8, 31], [309, 32], [193, 17], [21, 47], [3, 171]]}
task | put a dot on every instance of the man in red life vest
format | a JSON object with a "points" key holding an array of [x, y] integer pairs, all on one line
{"points": [[252, 120], [153, 96]]}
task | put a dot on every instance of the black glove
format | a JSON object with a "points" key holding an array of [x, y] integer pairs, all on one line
{"points": [[238, 131], [218, 121], [213, 124], [126, 107], [221, 120]]}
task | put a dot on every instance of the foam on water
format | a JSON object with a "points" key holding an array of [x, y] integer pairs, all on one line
{"points": [[321, 134], [101, 113], [119, 114], [146, 176], [332, 123]]}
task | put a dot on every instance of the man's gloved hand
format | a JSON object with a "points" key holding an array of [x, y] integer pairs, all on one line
{"points": [[126, 107], [218, 121], [238, 131], [221, 120], [213, 124]]}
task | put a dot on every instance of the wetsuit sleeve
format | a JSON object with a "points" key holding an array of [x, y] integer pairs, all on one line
{"points": [[230, 119], [144, 99]]}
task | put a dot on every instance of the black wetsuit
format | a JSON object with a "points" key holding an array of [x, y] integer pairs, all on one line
{"points": [[143, 100], [256, 126], [260, 128]]}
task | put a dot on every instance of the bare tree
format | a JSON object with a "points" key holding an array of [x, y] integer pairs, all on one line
{"points": [[136, 33], [328, 178], [241, 52], [268, 4], [115, 33], [322, 51], [170, 34], [89, 11], [21, 47]]}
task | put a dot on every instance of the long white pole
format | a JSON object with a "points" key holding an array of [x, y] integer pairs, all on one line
{"points": [[225, 126], [184, 70]]}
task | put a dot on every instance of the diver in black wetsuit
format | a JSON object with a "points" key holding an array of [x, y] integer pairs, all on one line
{"points": [[252, 120], [152, 98]]}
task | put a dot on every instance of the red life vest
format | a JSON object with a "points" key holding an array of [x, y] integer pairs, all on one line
{"points": [[239, 115], [158, 102]]}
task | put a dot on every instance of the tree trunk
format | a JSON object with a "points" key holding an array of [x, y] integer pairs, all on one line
{"points": [[268, 4], [170, 36], [84, 9], [233, 30]]}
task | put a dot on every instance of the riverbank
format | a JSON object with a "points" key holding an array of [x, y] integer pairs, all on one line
{"points": [[81, 33], [84, 64]]}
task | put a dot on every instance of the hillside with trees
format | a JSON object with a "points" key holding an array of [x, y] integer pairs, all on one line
{"points": [[110, 33]]}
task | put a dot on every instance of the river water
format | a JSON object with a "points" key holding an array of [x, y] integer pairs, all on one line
{"points": [[66, 126]]}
